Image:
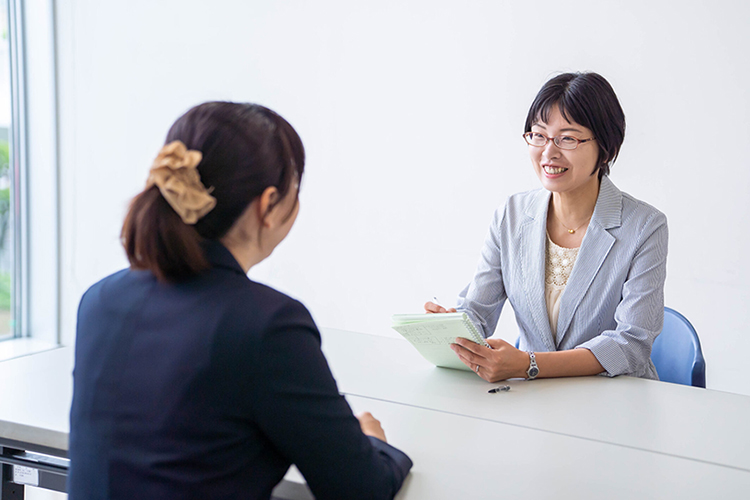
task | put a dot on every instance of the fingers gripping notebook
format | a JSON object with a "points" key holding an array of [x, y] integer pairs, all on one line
{"points": [[432, 335]]}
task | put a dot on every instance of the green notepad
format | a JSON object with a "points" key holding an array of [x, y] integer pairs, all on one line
{"points": [[432, 335]]}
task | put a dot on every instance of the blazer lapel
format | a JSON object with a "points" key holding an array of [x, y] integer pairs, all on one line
{"points": [[594, 249], [533, 241]]}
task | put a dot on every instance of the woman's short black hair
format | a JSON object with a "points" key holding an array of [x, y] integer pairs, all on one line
{"points": [[589, 100]]}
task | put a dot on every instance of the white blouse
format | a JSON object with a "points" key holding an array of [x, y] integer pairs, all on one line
{"points": [[559, 264]]}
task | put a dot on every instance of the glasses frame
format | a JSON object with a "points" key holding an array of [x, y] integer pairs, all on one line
{"points": [[555, 140]]}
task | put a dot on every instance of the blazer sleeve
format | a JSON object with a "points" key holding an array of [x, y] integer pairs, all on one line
{"points": [[300, 410], [639, 316], [483, 299]]}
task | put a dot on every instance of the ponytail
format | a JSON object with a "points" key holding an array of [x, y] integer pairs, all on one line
{"points": [[157, 240]]}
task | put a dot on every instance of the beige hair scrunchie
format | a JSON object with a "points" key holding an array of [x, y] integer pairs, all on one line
{"points": [[174, 172]]}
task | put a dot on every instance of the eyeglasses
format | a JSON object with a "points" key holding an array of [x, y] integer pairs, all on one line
{"points": [[561, 141]]}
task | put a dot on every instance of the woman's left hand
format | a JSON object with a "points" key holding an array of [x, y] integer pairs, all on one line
{"points": [[501, 362]]}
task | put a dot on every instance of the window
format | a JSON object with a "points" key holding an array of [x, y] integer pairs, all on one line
{"points": [[6, 195], [29, 214]]}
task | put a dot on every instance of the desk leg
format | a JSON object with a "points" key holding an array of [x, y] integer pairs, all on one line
{"points": [[10, 490]]}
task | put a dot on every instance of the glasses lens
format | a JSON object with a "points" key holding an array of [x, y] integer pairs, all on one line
{"points": [[566, 142], [535, 139]]}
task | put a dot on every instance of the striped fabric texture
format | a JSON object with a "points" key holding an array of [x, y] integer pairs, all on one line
{"points": [[613, 304]]}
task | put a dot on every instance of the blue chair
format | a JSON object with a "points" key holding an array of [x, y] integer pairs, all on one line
{"points": [[677, 352]]}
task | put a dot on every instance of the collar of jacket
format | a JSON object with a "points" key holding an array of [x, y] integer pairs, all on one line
{"points": [[218, 255], [607, 212]]}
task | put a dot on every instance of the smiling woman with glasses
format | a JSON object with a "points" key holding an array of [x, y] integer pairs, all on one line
{"points": [[582, 264]]}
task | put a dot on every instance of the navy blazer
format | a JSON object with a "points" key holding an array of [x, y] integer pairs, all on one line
{"points": [[613, 303], [211, 388]]}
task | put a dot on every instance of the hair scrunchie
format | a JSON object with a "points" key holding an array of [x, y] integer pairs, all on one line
{"points": [[175, 173]]}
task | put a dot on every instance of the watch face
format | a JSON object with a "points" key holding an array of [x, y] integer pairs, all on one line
{"points": [[533, 372]]}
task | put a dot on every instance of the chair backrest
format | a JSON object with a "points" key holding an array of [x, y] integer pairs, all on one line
{"points": [[677, 352]]}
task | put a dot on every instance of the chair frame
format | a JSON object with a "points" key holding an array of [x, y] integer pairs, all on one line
{"points": [[698, 370]]}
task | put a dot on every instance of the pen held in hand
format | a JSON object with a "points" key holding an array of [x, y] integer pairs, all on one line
{"points": [[437, 303]]}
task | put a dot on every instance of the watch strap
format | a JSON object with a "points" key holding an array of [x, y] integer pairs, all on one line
{"points": [[533, 370]]}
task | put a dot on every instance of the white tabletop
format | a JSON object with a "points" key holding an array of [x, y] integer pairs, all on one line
{"points": [[674, 420], [589, 437], [35, 400], [460, 458]]}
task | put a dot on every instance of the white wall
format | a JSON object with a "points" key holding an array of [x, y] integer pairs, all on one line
{"points": [[412, 114]]}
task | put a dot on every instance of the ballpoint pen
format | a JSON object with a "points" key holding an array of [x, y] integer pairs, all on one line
{"points": [[437, 302], [502, 388]]}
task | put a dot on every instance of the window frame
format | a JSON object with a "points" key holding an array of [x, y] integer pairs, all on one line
{"points": [[34, 177], [17, 141]]}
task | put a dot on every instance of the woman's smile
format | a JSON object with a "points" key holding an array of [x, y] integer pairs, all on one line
{"points": [[554, 170]]}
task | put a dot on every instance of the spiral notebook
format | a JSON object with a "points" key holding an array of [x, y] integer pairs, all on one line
{"points": [[432, 335]]}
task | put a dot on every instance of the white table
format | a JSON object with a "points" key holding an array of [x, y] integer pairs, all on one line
{"points": [[670, 419], [34, 401], [456, 457], [589, 437]]}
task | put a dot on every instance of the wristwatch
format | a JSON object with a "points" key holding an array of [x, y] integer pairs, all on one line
{"points": [[533, 370]]}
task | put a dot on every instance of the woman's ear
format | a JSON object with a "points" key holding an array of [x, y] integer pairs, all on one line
{"points": [[268, 201]]}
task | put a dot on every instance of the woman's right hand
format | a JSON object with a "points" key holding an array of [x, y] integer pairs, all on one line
{"points": [[431, 307], [371, 426]]}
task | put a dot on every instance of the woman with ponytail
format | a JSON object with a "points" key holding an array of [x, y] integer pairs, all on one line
{"points": [[191, 380]]}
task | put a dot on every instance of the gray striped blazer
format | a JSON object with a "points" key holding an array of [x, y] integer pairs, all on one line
{"points": [[613, 304]]}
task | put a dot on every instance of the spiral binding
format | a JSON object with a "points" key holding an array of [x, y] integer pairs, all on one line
{"points": [[477, 337]]}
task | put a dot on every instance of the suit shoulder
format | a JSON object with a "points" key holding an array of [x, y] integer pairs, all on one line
{"points": [[526, 199], [521, 206], [95, 291], [635, 209], [269, 296], [108, 279], [261, 304]]}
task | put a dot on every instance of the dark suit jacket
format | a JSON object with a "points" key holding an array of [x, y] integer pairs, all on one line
{"points": [[211, 388]]}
